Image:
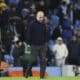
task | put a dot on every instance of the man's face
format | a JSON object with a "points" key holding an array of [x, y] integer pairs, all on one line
{"points": [[71, 6], [65, 17], [59, 42], [20, 44], [3, 50], [14, 9], [40, 16], [78, 33], [33, 6], [74, 38]]}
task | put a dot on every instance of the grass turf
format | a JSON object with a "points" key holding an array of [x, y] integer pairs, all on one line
{"points": [[35, 78]]}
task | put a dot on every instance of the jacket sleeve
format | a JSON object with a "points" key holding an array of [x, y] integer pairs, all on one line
{"points": [[66, 51], [47, 33], [54, 49], [28, 35]]}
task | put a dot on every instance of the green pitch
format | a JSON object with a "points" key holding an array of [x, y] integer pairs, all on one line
{"points": [[35, 78]]}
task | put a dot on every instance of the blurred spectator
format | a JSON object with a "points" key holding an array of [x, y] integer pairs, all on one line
{"points": [[25, 13], [79, 45], [63, 7], [8, 37], [60, 51], [56, 33], [78, 1], [13, 2], [28, 15], [78, 34], [2, 58], [33, 8], [54, 26], [2, 54], [67, 1], [54, 22], [73, 46], [14, 11], [74, 54], [3, 14], [41, 6], [9, 59], [3, 22], [71, 12], [14, 21], [77, 25], [24, 4], [54, 4], [73, 1], [76, 13], [2, 0], [18, 52], [67, 28], [77, 22], [62, 10]]}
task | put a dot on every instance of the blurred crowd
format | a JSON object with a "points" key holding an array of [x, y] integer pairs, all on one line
{"points": [[61, 16]]}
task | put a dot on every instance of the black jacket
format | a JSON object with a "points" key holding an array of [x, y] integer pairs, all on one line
{"points": [[73, 57], [37, 33]]}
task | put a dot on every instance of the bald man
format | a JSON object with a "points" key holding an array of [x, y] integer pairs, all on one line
{"points": [[37, 36]]}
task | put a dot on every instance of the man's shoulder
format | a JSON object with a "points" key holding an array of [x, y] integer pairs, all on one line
{"points": [[64, 45], [33, 23]]}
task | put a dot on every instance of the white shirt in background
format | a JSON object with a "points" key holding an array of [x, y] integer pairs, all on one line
{"points": [[60, 51]]}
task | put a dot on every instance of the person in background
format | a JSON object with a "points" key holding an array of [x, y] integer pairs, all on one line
{"points": [[77, 22], [41, 6], [73, 51], [71, 12], [13, 2], [18, 52], [24, 4], [54, 21], [78, 34], [67, 1], [2, 54], [37, 37], [33, 7], [54, 4], [60, 51], [62, 10], [67, 29], [74, 54]]}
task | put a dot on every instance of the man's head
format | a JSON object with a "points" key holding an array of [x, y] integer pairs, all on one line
{"points": [[65, 16], [40, 16], [59, 40], [3, 49], [18, 44], [74, 38], [71, 6]]}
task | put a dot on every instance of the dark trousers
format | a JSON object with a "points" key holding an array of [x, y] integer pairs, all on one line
{"points": [[41, 52], [17, 62], [24, 64]]}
